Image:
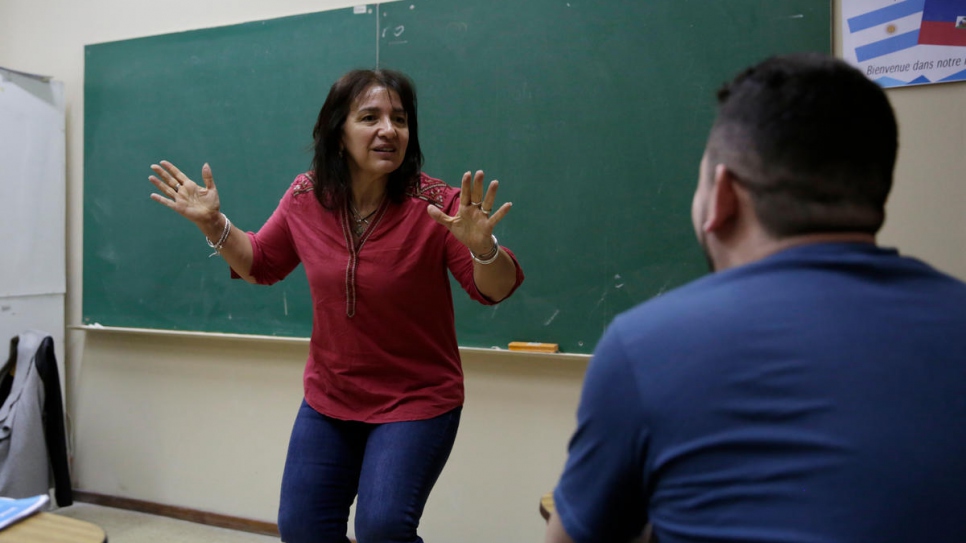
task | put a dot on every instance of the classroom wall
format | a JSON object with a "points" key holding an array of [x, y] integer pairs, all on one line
{"points": [[203, 422]]}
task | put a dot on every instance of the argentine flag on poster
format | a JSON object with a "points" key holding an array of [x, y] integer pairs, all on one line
{"points": [[905, 42]]}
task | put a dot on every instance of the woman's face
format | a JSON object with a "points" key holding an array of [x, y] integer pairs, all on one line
{"points": [[375, 134]]}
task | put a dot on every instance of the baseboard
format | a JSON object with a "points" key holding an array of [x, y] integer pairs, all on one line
{"points": [[180, 513]]}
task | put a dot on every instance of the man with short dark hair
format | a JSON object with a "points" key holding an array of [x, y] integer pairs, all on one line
{"points": [[813, 389]]}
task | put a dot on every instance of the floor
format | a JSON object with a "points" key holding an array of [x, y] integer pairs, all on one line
{"points": [[124, 526]]}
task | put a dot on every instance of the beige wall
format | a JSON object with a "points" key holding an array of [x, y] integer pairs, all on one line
{"points": [[203, 422]]}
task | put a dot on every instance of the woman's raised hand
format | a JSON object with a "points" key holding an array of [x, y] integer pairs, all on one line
{"points": [[198, 204], [474, 220]]}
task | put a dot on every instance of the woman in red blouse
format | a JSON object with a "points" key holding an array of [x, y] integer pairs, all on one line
{"points": [[383, 381]]}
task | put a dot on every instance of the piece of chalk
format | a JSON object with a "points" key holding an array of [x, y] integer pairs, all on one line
{"points": [[534, 347]]}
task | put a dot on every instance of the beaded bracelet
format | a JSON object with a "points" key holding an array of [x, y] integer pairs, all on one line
{"points": [[221, 241], [491, 257]]}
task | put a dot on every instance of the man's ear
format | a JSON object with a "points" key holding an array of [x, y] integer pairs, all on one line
{"points": [[723, 200]]}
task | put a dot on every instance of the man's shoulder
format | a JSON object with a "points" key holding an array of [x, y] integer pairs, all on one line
{"points": [[704, 309], [848, 278], [685, 302]]}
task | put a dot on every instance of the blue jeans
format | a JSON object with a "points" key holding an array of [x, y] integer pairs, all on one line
{"points": [[392, 467]]}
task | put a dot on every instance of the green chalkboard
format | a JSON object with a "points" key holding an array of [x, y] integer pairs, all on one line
{"points": [[243, 98], [593, 115]]}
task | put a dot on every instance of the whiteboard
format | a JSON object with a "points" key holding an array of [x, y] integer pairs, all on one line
{"points": [[32, 208], [33, 184]]}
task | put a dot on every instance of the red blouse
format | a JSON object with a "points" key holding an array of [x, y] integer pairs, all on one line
{"points": [[383, 345]]}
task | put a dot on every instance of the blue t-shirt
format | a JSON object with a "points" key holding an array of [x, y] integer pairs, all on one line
{"points": [[817, 395]]}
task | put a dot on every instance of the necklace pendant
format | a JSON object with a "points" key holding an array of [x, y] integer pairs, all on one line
{"points": [[360, 222]]}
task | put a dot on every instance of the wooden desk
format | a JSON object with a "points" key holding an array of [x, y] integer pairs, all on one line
{"points": [[52, 528], [546, 508], [546, 505]]}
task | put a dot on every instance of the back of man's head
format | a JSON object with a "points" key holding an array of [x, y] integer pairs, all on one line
{"points": [[812, 139]]}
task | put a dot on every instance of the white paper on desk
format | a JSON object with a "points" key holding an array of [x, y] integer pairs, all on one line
{"points": [[13, 510]]}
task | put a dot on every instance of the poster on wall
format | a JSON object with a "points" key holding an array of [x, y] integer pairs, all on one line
{"points": [[898, 43]]}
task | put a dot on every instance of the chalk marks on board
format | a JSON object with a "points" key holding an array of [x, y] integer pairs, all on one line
{"points": [[552, 317], [394, 32]]}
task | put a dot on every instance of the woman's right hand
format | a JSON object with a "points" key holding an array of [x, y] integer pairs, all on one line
{"points": [[201, 206], [198, 204]]}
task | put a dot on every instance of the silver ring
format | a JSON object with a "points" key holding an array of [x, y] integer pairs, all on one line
{"points": [[485, 211], [477, 204], [176, 187]]}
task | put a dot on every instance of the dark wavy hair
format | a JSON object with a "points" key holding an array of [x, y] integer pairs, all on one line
{"points": [[814, 141], [333, 182]]}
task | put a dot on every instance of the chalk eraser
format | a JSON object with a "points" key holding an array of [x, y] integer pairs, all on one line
{"points": [[533, 347]]}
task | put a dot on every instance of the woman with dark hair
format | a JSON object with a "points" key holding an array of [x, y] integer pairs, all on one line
{"points": [[383, 382]]}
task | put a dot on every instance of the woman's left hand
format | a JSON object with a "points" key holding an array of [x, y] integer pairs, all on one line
{"points": [[474, 220]]}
